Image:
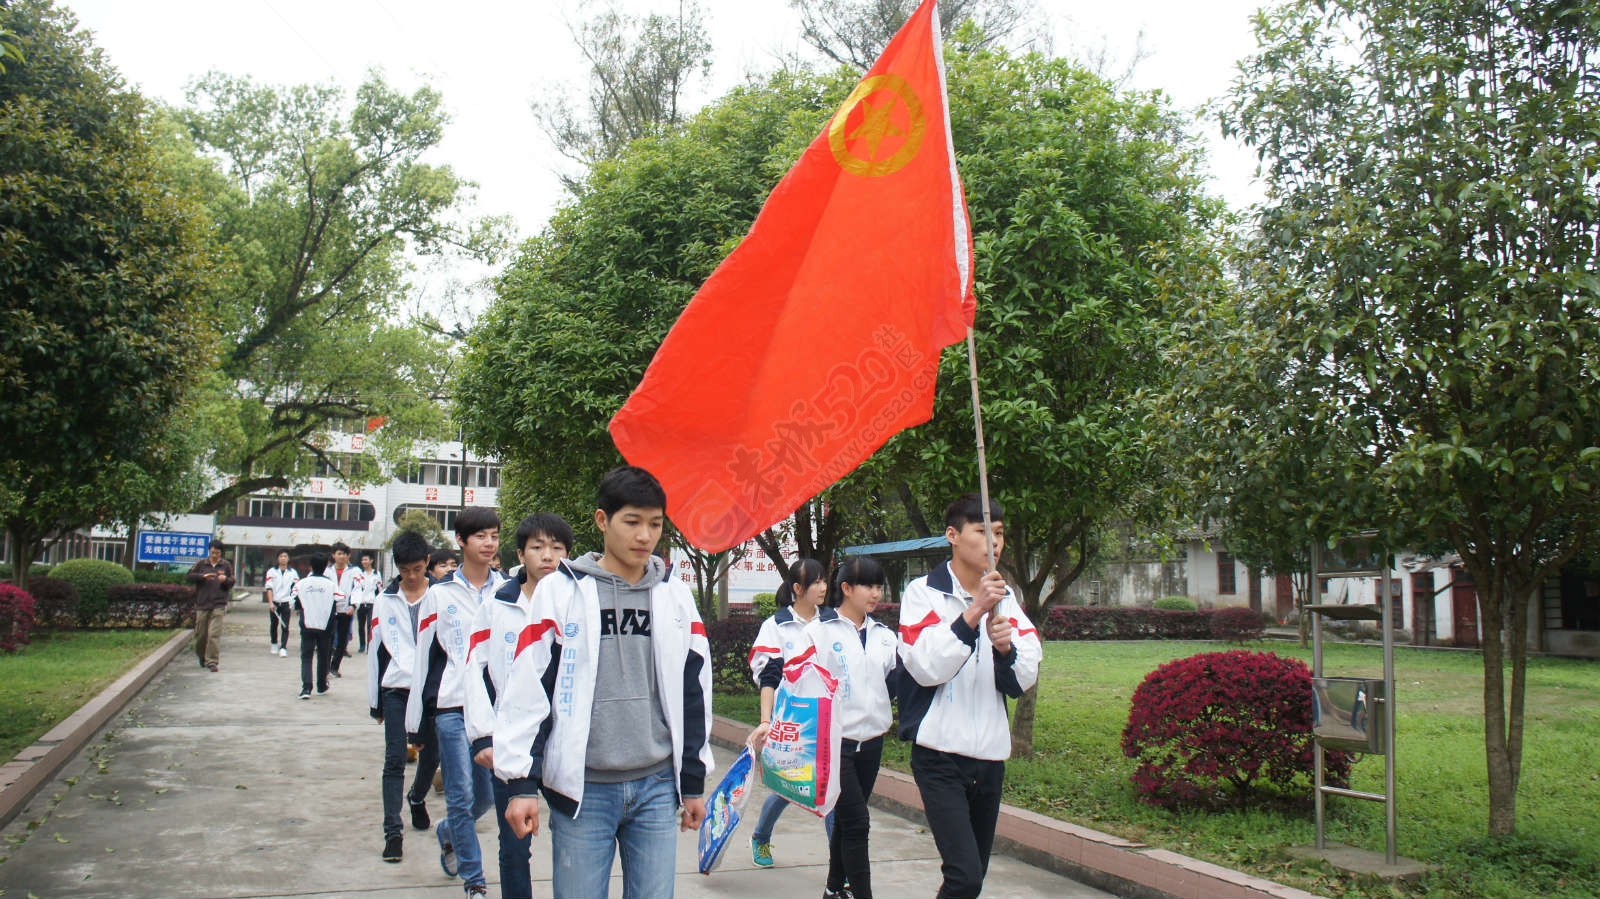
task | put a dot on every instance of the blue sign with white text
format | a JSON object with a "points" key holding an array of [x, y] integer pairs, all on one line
{"points": [[172, 546]]}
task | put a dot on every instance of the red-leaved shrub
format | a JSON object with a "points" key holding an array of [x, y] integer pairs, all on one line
{"points": [[55, 603], [1212, 728], [16, 617], [1236, 624]]}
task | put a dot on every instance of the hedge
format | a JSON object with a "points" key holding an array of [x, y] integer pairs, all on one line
{"points": [[731, 639], [150, 606], [55, 603]]}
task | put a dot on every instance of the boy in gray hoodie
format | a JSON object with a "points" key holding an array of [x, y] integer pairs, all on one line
{"points": [[607, 707]]}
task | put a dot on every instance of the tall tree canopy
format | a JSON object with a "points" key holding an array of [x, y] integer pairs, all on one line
{"points": [[104, 329], [854, 32], [639, 71], [320, 202], [1423, 296]]}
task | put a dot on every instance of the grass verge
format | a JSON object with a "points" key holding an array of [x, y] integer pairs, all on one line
{"points": [[1078, 774], [58, 672]]}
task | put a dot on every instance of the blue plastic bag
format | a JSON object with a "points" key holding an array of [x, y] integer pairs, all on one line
{"points": [[724, 809]]}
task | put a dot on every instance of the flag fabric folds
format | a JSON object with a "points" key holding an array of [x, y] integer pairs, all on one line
{"points": [[818, 338]]}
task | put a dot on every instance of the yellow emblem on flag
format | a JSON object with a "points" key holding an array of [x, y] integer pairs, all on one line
{"points": [[856, 147]]}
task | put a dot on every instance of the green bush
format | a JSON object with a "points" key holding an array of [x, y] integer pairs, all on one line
{"points": [[94, 580], [1176, 603], [6, 571], [766, 605]]}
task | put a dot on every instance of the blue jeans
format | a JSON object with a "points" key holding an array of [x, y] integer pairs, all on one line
{"points": [[468, 793], [768, 819], [640, 816], [516, 853]]}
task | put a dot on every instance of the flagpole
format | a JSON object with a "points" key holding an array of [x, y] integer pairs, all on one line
{"points": [[983, 462]]}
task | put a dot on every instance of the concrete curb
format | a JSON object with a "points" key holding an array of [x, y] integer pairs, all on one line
{"points": [[22, 777], [1119, 866]]}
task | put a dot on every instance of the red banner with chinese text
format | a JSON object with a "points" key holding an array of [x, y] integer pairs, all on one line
{"points": [[854, 277]]}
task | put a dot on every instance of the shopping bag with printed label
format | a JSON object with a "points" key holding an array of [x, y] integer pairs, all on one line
{"points": [[799, 758], [724, 810]]}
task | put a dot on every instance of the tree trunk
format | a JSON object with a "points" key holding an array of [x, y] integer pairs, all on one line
{"points": [[130, 548], [27, 544], [1500, 731], [1022, 724]]}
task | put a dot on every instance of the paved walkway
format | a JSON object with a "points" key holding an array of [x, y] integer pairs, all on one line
{"points": [[226, 785]]}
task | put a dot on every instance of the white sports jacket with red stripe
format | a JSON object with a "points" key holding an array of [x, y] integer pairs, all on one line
{"points": [[444, 627], [781, 636], [541, 733], [954, 699], [490, 650]]}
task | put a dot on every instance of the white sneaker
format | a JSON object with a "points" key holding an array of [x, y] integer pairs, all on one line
{"points": [[283, 653]]}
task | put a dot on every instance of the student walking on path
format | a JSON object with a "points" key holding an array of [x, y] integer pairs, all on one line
{"points": [[860, 653], [389, 666], [314, 595], [801, 599], [621, 739], [212, 578], [966, 646], [279, 590], [439, 692], [542, 541]]}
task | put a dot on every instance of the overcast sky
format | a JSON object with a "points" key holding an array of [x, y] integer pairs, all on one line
{"points": [[489, 59]]}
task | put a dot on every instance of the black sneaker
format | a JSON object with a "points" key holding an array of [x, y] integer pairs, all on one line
{"points": [[841, 893], [305, 694], [391, 849], [419, 813]]}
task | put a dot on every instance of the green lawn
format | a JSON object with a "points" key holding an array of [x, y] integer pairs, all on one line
{"points": [[1078, 773], [58, 672]]}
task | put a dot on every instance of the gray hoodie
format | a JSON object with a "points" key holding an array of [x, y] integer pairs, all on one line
{"points": [[628, 733]]}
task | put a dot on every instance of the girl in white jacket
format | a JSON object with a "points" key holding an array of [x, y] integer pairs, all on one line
{"points": [[860, 653], [801, 600]]}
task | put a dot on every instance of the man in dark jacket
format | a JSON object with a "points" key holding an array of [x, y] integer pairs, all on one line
{"points": [[213, 583]]}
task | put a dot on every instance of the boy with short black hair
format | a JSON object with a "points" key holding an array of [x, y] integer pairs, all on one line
{"points": [[542, 542], [389, 666], [439, 691], [313, 596], [279, 593], [369, 583], [441, 565], [966, 645], [608, 708], [346, 580]]}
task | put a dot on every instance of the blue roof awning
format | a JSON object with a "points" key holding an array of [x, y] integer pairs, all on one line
{"points": [[901, 549]]}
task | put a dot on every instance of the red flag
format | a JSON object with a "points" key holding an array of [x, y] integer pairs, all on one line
{"points": [[818, 338]]}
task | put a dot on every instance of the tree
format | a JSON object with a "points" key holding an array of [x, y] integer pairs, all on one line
{"points": [[419, 522], [1427, 254], [639, 69], [854, 32], [1085, 201], [104, 330], [319, 205]]}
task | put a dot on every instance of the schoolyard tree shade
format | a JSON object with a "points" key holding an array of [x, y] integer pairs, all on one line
{"points": [[1429, 250], [105, 266]]}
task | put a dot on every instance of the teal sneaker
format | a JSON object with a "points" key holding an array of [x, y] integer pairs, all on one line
{"points": [[761, 854]]}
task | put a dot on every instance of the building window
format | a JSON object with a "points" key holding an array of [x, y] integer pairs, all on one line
{"points": [[108, 550], [300, 509], [1397, 604], [1225, 582]]}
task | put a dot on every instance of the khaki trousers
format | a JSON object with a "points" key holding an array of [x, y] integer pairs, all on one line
{"points": [[208, 634]]}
